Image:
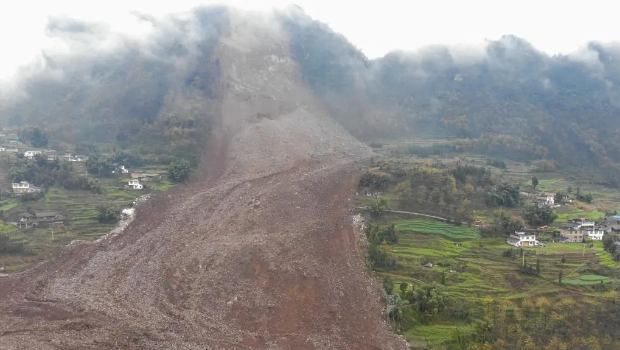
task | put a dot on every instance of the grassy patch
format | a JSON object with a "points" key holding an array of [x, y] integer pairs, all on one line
{"points": [[423, 336], [439, 228], [570, 212], [586, 280], [8, 205]]}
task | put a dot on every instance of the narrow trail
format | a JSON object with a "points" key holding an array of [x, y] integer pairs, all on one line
{"points": [[409, 213]]}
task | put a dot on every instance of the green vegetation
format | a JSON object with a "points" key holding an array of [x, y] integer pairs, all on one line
{"points": [[586, 280], [90, 205], [432, 150], [494, 296], [516, 103], [179, 170], [35, 136], [536, 215], [462, 300], [108, 214], [437, 227]]}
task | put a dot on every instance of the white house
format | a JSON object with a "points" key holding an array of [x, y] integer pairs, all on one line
{"points": [[21, 187], [522, 239], [31, 154], [121, 169], [134, 185], [546, 200], [596, 235], [585, 225], [2, 149], [24, 187]]}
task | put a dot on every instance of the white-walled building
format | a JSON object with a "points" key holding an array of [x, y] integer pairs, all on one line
{"points": [[31, 154], [134, 185], [522, 239]]}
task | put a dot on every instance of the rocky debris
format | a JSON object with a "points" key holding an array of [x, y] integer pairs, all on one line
{"points": [[258, 254]]}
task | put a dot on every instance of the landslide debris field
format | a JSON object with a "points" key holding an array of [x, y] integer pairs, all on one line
{"points": [[258, 252]]}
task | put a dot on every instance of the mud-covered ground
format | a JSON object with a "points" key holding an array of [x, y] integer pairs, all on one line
{"points": [[258, 252]]}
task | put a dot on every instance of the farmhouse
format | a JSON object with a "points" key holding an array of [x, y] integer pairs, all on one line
{"points": [[572, 236], [522, 239], [546, 200], [48, 217], [12, 138], [31, 154], [52, 156], [145, 177], [134, 185], [22, 187], [42, 217], [610, 223], [583, 229], [121, 170]]}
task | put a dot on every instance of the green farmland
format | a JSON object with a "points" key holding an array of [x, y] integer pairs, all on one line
{"points": [[79, 207], [475, 269]]}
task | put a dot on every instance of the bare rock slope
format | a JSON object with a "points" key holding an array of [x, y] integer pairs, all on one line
{"points": [[260, 254]]}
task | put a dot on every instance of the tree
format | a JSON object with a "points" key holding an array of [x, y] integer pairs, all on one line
{"points": [[108, 214], [36, 137], [584, 197], [560, 275], [539, 215], [443, 278], [503, 195], [390, 234], [563, 259], [560, 198], [465, 211], [388, 285], [180, 170], [403, 287], [538, 266], [374, 182], [99, 165], [534, 182], [378, 206], [503, 224], [404, 193]]}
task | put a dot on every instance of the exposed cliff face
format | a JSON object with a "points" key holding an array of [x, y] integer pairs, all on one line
{"points": [[259, 252]]}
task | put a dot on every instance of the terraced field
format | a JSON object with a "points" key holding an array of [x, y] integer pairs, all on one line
{"points": [[438, 228], [80, 209], [474, 269], [587, 280]]}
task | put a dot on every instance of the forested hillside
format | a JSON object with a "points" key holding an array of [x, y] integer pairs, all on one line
{"points": [[506, 97], [511, 99]]}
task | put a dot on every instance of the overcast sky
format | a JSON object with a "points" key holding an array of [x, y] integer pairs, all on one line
{"points": [[376, 27]]}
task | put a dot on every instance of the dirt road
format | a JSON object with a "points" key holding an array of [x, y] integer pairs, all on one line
{"points": [[258, 252]]}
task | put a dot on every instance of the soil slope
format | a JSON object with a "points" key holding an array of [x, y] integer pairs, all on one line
{"points": [[258, 254]]}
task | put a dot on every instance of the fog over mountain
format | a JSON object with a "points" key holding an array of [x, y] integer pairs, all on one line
{"points": [[507, 96]]}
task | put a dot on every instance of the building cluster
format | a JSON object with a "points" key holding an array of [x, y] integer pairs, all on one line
{"points": [[580, 230], [576, 231]]}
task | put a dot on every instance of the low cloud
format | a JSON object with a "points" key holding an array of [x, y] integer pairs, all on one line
{"points": [[76, 47]]}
